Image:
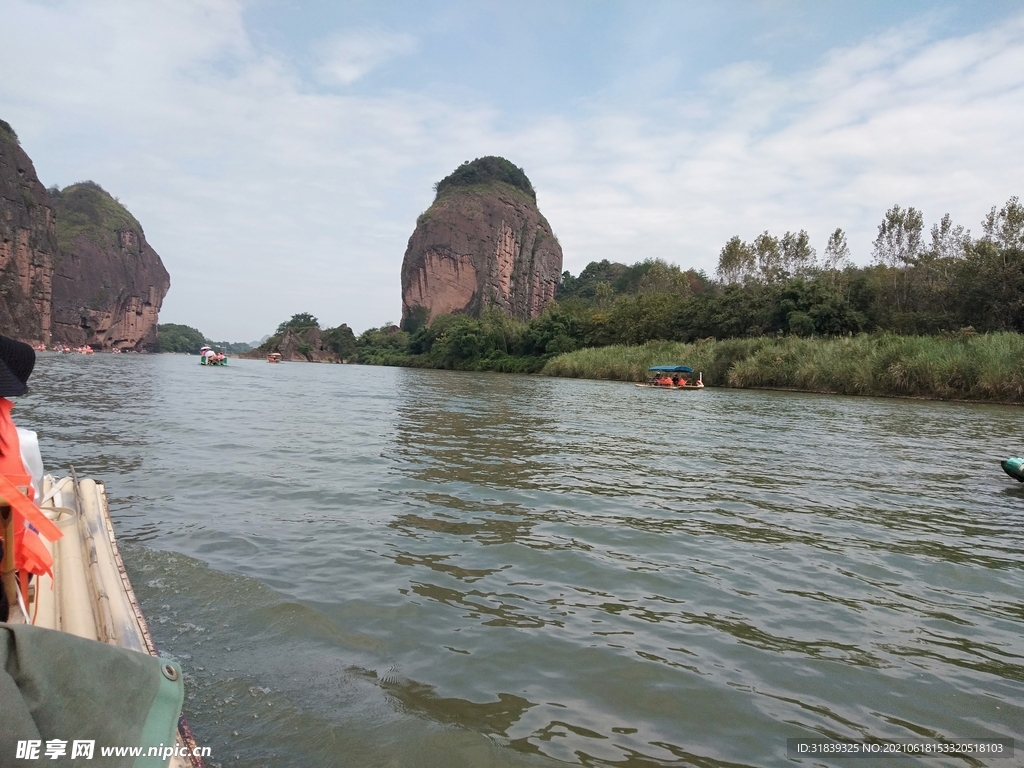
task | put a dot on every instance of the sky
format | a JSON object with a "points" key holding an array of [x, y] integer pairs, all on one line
{"points": [[278, 153]]}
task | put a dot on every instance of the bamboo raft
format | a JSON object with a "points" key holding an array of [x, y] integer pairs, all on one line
{"points": [[90, 594]]}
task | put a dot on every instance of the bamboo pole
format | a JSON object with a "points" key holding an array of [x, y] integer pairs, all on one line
{"points": [[8, 577]]}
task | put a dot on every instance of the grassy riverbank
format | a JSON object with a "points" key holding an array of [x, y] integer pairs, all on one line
{"points": [[969, 366]]}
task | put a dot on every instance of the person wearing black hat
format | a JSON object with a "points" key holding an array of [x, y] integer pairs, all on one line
{"points": [[17, 360]]}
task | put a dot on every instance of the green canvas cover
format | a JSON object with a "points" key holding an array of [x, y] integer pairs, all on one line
{"points": [[56, 686]]}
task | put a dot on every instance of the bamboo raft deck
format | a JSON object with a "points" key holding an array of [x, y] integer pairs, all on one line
{"points": [[90, 594]]}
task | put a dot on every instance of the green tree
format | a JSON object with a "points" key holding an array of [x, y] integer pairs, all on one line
{"points": [[664, 278], [387, 345], [171, 337], [1005, 228], [899, 242], [299, 322], [800, 324], [898, 247], [417, 318], [596, 272], [736, 262], [798, 257], [341, 340], [645, 317], [554, 332], [769, 257], [837, 252], [458, 341], [949, 242]]}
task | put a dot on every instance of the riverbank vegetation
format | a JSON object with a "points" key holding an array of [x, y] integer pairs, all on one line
{"points": [[956, 366], [934, 316]]}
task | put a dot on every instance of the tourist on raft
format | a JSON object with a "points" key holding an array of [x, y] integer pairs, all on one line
{"points": [[20, 467], [210, 357]]}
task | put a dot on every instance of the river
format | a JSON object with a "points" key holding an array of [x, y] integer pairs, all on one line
{"points": [[362, 566]]}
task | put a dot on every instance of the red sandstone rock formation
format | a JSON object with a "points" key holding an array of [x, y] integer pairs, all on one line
{"points": [[28, 245], [306, 345], [108, 283], [482, 243], [74, 268]]}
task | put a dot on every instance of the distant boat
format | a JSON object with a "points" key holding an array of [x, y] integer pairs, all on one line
{"points": [[1014, 467], [208, 356], [274, 357], [673, 377]]}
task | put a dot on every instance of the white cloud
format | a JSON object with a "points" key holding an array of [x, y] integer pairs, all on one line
{"points": [[894, 119], [348, 57], [267, 197]]}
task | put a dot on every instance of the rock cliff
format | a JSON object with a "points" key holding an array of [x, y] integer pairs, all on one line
{"points": [[305, 345], [28, 245], [482, 243], [108, 283]]}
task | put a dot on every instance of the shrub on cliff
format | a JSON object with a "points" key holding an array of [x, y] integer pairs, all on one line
{"points": [[87, 209], [5, 127], [485, 170]]}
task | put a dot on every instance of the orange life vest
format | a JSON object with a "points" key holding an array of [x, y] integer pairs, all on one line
{"points": [[30, 554]]}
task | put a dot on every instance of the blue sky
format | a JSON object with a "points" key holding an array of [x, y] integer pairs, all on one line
{"points": [[277, 153]]}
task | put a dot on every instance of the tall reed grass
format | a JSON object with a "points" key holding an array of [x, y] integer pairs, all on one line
{"points": [[963, 366]]}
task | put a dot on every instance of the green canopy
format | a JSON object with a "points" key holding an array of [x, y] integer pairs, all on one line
{"points": [[57, 687]]}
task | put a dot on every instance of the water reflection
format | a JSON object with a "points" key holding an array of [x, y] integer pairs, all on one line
{"points": [[478, 429], [495, 718]]}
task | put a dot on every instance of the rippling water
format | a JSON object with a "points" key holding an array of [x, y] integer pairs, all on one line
{"points": [[384, 567]]}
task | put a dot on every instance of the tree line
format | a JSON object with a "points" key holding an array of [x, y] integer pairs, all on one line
{"points": [[184, 339]]}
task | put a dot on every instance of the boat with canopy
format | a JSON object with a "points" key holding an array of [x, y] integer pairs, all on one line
{"points": [[210, 356], [673, 377]]}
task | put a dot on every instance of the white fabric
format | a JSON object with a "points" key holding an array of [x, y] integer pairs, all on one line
{"points": [[33, 461]]}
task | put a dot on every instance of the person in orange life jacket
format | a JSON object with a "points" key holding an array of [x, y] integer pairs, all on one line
{"points": [[17, 360]]}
